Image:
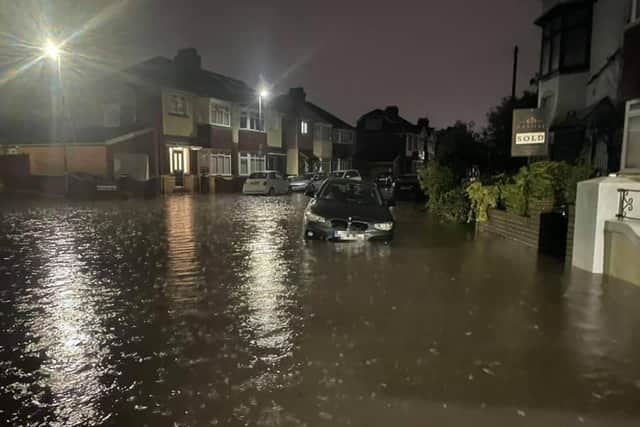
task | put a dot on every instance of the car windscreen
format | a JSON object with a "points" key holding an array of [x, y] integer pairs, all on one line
{"points": [[336, 174], [258, 175], [351, 192]]}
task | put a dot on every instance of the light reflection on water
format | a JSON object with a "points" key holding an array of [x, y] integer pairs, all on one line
{"points": [[67, 331]]}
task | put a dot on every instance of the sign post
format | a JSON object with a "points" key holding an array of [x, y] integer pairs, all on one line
{"points": [[529, 133]]}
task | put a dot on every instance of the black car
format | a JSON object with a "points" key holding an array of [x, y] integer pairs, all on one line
{"points": [[407, 187], [344, 210]]}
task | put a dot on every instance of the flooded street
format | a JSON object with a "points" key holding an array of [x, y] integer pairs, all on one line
{"points": [[213, 311]]}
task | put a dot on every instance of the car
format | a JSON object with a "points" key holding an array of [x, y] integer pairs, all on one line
{"points": [[347, 210], [384, 181], [407, 187], [316, 181], [267, 183], [301, 182], [352, 174]]}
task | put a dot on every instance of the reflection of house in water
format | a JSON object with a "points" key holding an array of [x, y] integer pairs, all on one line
{"points": [[184, 271]]}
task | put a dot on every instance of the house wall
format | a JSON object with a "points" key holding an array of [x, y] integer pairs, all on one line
{"points": [[175, 125], [568, 92], [292, 161], [49, 160], [273, 127]]}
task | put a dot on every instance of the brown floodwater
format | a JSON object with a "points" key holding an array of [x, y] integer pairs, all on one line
{"points": [[211, 310]]}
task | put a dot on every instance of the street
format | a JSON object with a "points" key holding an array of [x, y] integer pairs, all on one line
{"points": [[212, 310]]}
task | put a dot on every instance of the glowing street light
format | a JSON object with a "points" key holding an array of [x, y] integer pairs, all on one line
{"points": [[52, 50], [264, 93]]}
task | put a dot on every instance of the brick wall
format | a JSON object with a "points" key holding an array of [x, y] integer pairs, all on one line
{"points": [[570, 227], [525, 230]]}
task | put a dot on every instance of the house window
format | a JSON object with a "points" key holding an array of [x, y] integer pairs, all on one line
{"points": [[250, 119], [566, 40], [631, 144], [412, 144], [322, 132], [304, 127], [178, 104], [250, 163], [178, 160], [343, 137], [219, 114], [111, 115], [220, 164]]}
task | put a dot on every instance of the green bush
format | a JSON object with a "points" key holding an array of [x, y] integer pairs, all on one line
{"points": [[451, 206], [482, 198], [580, 172], [435, 179]]}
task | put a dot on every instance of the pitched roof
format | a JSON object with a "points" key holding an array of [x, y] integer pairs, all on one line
{"points": [[284, 104], [161, 71], [390, 122]]}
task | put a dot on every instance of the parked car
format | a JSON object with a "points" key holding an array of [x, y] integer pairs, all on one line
{"points": [[352, 174], [407, 187], [301, 182], [316, 181], [267, 183], [384, 181], [345, 210]]}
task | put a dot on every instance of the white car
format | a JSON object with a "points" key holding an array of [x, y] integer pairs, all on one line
{"points": [[266, 183], [351, 174]]}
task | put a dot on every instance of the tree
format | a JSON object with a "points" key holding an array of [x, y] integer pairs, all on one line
{"points": [[459, 148], [497, 135]]}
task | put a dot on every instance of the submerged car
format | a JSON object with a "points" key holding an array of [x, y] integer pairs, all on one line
{"points": [[267, 183], [346, 210], [352, 174], [301, 182], [407, 187]]}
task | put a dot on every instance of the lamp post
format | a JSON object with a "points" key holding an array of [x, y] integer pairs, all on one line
{"points": [[262, 95], [53, 52]]}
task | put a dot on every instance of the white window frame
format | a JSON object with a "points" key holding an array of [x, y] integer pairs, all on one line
{"points": [[224, 111], [323, 132], [175, 107], [304, 127], [341, 137], [185, 158], [251, 159], [253, 120], [632, 110], [226, 159]]}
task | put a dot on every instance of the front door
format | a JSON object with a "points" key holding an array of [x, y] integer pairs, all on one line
{"points": [[177, 161]]}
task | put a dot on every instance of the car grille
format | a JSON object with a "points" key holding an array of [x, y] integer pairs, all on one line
{"points": [[341, 224]]}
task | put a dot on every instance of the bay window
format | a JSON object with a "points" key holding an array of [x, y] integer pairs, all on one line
{"points": [[631, 144], [566, 39], [322, 132], [250, 119], [250, 163], [220, 164], [343, 137], [219, 114]]}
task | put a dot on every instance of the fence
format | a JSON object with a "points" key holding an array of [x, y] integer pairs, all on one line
{"points": [[625, 206]]}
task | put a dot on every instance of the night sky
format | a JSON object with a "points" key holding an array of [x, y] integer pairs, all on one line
{"points": [[444, 59]]}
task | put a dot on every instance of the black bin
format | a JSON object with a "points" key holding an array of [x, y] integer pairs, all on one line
{"points": [[553, 234]]}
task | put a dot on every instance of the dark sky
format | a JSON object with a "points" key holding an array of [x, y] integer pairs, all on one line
{"points": [[444, 59]]}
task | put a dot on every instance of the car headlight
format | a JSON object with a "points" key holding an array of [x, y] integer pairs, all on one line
{"points": [[311, 217], [383, 226]]}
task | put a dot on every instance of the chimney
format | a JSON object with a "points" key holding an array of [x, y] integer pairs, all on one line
{"points": [[392, 111], [297, 95], [188, 60], [423, 122]]}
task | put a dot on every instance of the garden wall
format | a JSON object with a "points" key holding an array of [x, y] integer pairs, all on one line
{"points": [[525, 230]]}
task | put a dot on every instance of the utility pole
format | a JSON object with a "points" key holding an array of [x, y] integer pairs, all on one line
{"points": [[515, 73]]}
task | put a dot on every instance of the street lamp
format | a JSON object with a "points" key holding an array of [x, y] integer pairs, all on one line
{"points": [[52, 50], [263, 94]]}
